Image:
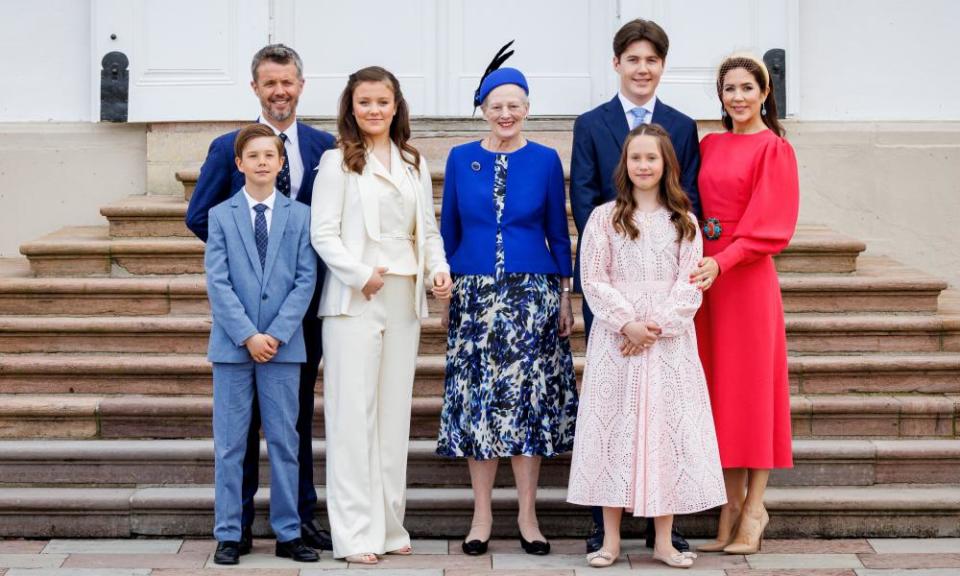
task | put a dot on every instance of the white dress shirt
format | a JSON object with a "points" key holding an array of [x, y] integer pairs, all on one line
{"points": [[628, 106], [292, 153], [268, 213]]}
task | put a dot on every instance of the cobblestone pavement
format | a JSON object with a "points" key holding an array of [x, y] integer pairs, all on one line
{"points": [[170, 557]]}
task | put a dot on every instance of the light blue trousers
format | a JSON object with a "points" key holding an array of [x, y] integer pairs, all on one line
{"points": [[277, 389]]}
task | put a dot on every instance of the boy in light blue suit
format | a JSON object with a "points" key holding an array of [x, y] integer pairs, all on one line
{"points": [[261, 272]]}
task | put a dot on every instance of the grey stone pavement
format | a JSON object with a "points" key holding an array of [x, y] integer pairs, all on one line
{"points": [[173, 557]]}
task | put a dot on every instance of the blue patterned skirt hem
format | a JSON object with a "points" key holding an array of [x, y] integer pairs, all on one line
{"points": [[509, 388]]}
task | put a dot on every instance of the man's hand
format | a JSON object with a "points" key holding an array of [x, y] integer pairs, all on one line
{"points": [[260, 347]]}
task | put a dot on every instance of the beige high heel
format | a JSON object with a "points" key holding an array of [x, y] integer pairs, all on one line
{"points": [[750, 536], [717, 545]]}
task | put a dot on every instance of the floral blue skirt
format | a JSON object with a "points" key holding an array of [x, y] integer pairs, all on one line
{"points": [[509, 388]]}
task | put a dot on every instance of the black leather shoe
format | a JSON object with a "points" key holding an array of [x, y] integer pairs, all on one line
{"points": [[228, 552], [315, 536], [297, 551], [537, 547], [246, 540], [679, 542], [475, 547], [595, 539]]}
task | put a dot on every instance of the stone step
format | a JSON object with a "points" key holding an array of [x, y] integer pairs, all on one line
{"points": [[189, 374], [147, 217], [91, 251], [140, 416], [186, 294], [806, 334], [808, 512], [133, 463]]}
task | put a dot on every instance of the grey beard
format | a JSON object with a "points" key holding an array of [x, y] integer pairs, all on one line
{"points": [[279, 118]]}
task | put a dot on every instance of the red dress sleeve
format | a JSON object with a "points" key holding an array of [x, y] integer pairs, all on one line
{"points": [[770, 219]]}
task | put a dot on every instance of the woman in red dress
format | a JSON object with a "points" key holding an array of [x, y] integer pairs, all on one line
{"points": [[750, 194]]}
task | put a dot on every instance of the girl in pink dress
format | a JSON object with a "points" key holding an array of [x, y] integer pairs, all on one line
{"points": [[645, 440]]}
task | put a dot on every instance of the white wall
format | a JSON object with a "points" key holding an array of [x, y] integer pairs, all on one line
{"points": [[879, 60], [46, 60], [55, 174], [858, 60]]}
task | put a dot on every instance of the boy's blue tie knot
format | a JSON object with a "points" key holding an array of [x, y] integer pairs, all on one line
{"points": [[639, 115]]}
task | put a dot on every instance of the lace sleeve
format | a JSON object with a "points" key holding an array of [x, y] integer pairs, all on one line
{"points": [[675, 314], [596, 260]]}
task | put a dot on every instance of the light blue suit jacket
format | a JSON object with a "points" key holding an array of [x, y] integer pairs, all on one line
{"points": [[247, 300]]}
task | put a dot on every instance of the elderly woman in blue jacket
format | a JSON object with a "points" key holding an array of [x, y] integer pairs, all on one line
{"points": [[510, 389]]}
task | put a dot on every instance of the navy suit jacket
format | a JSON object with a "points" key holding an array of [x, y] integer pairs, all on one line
{"points": [[220, 179], [597, 141]]}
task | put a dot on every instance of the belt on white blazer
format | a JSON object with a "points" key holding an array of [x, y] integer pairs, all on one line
{"points": [[396, 236]]}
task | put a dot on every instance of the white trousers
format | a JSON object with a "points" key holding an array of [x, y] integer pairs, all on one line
{"points": [[369, 363]]}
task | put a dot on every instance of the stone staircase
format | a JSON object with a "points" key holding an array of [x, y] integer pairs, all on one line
{"points": [[105, 406]]}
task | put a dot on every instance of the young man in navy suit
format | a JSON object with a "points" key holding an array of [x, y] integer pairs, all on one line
{"points": [[639, 55], [261, 272], [277, 82]]}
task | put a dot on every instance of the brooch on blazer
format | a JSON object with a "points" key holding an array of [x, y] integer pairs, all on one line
{"points": [[475, 165]]}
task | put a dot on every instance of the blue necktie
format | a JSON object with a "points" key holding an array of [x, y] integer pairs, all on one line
{"points": [[283, 178], [639, 115], [260, 232]]}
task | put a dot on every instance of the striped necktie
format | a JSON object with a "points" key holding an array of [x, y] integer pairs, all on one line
{"points": [[283, 178]]}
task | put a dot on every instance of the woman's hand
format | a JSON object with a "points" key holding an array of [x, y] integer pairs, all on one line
{"points": [[566, 315], [642, 334], [375, 283], [628, 348], [706, 273], [442, 286]]}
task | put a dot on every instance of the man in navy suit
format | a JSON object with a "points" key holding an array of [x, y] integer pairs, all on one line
{"points": [[639, 54], [278, 82]]}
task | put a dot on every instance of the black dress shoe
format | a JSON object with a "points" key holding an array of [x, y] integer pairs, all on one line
{"points": [[246, 540], [595, 539], [315, 536], [228, 552], [537, 547], [679, 542], [297, 551], [475, 547]]}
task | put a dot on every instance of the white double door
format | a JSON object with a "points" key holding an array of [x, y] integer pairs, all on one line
{"points": [[190, 59]]}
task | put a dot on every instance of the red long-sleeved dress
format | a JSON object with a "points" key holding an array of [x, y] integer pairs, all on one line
{"points": [[749, 183]]}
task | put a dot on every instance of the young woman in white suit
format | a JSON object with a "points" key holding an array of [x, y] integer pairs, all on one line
{"points": [[373, 225]]}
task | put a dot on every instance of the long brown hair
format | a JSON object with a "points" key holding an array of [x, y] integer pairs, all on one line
{"points": [[756, 68], [671, 195], [351, 137]]}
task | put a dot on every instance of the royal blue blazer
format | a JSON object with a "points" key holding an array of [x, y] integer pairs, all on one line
{"points": [[536, 239], [597, 141], [219, 178]]}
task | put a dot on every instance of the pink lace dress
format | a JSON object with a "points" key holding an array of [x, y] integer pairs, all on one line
{"points": [[645, 439]]}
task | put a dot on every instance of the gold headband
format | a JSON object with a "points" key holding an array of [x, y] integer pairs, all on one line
{"points": [[744, 56]]}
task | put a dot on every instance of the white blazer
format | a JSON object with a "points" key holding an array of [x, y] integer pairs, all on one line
{"points": [[345, 230]]}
